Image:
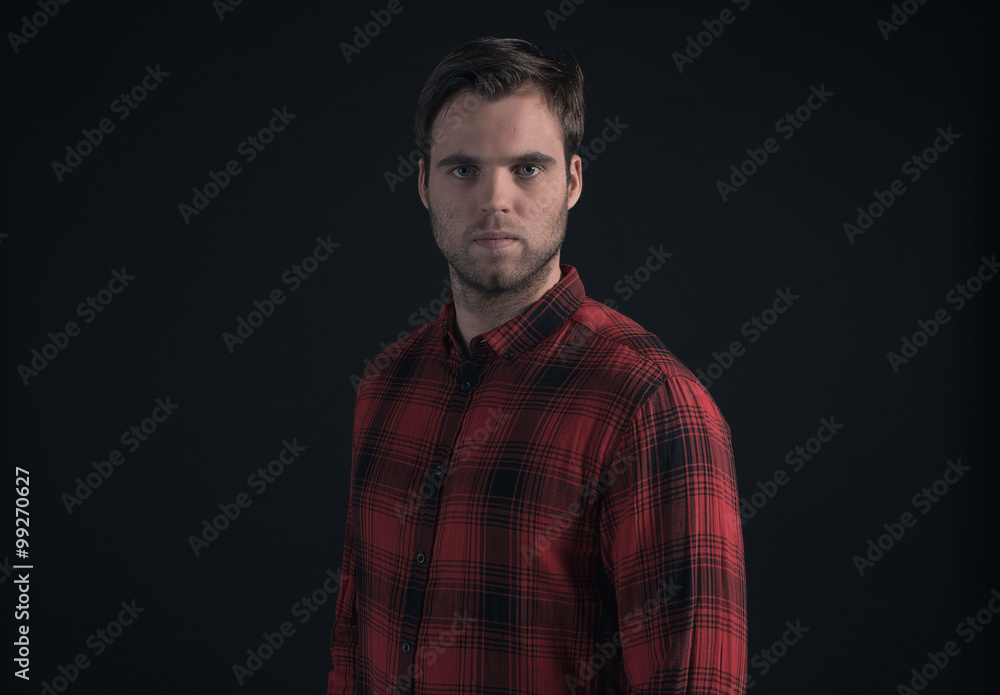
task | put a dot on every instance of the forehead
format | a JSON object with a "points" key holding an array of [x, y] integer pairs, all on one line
{"points": [[518, 121]]}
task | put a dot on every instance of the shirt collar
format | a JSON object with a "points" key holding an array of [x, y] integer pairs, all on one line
{"points": [[529, 327]]}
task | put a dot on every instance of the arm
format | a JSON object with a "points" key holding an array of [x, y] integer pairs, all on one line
{"points": [[343, 638], [672, 542]]}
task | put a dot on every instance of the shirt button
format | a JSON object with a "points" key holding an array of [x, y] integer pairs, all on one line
{"points": [[465, 385], [421, 557], [508, 355], [406, 647], [439, 470]]}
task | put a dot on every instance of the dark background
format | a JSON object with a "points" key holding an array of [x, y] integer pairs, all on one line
{"points": [[655, 184]]}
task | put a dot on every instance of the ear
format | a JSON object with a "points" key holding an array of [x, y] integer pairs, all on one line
{"points": [[575, 185], [421, 182]]}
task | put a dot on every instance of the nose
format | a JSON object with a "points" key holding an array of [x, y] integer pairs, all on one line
{"points": [[496, 191]]}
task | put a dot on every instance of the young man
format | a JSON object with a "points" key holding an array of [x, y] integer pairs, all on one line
{"points": [[543, 499]]}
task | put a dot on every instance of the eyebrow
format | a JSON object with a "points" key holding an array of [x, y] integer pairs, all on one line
{"points": [[461, 157]]}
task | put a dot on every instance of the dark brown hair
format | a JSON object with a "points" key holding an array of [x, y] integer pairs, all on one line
{"points": [[491, 69]]}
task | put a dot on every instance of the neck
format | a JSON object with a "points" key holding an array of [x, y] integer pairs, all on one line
{"points": [[477, 312]]}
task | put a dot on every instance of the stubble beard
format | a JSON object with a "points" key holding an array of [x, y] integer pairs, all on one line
{"points": [[477, 281]]}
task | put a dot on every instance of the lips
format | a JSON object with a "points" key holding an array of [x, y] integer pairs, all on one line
{"points": [[493, 236]]}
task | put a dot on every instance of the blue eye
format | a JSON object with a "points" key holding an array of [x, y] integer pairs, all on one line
{"points": [[530, 166], [457, 169]]}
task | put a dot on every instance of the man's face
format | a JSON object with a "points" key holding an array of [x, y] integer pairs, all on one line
{"points": [[497, 191]]}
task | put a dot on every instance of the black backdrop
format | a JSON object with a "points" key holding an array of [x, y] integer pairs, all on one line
{"points": [[101, 221]]}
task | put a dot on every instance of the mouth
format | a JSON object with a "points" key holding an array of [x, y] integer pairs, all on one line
{"points": [[495, 240], [495, 236]]}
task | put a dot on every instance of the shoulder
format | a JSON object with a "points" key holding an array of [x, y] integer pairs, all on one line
{"points": [[410, 346], [617, 338]]}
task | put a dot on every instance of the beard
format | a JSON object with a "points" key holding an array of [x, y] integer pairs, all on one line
{"points": [[495, 274]]}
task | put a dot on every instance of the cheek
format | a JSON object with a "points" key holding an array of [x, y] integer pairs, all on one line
{"points": [[447, 210], [547, 201]]}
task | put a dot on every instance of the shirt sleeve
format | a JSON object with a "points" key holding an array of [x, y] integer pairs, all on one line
{"points": [[672, 543], [344, 635], [343, 638]]}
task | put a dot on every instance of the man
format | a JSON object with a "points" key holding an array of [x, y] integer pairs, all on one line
{"points": [[543, 499]]}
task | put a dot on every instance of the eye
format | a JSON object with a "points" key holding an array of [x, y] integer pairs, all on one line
{"points": [[530, 174], [457, 171]]}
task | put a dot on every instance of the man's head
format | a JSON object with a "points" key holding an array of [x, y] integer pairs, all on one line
{"points": [[499, 121]]}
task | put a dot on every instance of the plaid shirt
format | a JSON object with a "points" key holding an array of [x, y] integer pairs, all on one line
{"points": [[554, 513]]}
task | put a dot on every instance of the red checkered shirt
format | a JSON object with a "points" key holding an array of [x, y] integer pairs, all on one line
{"points": [[554, 513]]}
